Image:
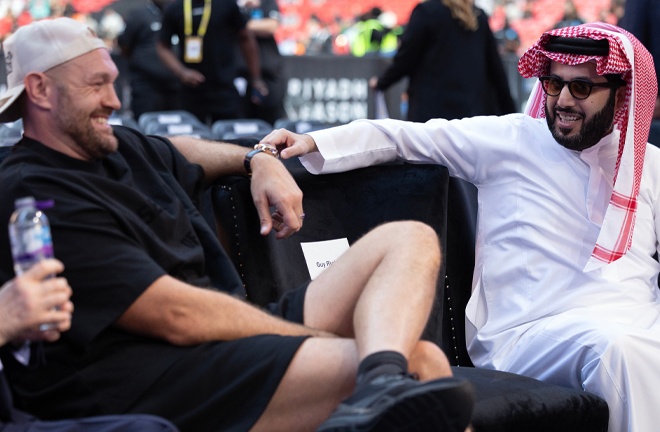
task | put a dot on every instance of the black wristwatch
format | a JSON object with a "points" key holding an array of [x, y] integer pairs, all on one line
{"points": [[248, 159]]}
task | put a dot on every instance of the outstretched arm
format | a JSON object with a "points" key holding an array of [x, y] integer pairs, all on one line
{"points": [[185, 315], [271, 186], [290, 144]]}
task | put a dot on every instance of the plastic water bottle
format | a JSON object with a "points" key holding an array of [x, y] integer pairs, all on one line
{"points": [[29, 233]]}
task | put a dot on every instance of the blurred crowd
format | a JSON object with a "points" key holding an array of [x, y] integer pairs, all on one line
{"points": [[526, 20], [98, 14], [374, 30]]}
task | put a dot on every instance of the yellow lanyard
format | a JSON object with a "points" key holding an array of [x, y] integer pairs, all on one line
{"points": [[187, 16]]}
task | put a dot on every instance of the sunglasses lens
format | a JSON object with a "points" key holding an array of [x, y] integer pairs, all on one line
{"points": [[552, 86], [580, 89]]}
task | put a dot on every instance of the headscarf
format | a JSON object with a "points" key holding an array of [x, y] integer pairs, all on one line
{"points": [[627, 57]]}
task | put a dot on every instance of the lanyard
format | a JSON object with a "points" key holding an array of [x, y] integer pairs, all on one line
{"points": [[187, 15]]}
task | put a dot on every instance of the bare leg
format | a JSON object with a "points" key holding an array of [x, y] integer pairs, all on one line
{"points": [[381, 290], [320, 376], [330, 365], [429, 362], [380, 293]]}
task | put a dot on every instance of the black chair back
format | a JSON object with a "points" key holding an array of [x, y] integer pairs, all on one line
{"points": [[346, 205]]}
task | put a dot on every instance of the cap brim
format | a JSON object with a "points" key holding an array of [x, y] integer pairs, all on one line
{"points": [[9, 110]]}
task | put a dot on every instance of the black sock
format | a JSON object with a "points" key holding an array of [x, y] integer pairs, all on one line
{"points": [[381, 363]]}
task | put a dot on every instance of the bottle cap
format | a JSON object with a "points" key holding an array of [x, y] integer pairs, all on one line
{"points": [[24, 202]]}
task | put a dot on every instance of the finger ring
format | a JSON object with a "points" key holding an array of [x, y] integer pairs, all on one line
{"points": [[47, 326], [302, 215]]}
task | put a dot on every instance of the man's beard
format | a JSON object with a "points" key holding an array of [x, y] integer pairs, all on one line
{"points": [[591, 132], [77, 124]]}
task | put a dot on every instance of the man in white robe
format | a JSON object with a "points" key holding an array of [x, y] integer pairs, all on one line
{"points": [[565, 286]]}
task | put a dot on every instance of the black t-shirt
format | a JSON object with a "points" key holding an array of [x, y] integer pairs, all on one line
{"points": [[118, 224], [218, 63]]}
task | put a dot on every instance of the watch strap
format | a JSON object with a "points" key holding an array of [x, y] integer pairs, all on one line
{"points": [[248, 159]]}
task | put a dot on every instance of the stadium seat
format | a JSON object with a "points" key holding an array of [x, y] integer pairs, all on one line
{"points": [[11, 133], [195, 129], [240, 128], [123, 120], [167, 117], [301, 126]]}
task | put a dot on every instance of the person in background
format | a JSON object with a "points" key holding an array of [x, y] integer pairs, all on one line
{"points": [[27, 302], [40, 9], [571, 16], [209, 31], [641, 18], [451, 58], [508, 40], [153, 86], [317, 39], [565, 285], [368, 32], [111, 24], [390, 34], [263, 20]]}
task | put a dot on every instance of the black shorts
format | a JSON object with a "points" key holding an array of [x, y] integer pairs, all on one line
{"points": [[291, 305], [226, 386]]}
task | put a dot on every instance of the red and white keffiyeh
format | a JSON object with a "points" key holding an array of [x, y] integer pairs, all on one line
{"points": [[628, 57]]}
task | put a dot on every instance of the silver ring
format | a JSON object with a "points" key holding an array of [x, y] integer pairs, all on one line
{"points": [[47, 326], [302, 216]]}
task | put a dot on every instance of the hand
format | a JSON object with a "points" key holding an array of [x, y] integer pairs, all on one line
{"points": [[191, 77], [273, 186], [33, 299], [373, 82], [290, 144], [259, 91]]}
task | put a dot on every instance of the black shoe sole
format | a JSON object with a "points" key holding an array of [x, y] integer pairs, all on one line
{"points": [[442, 405]]}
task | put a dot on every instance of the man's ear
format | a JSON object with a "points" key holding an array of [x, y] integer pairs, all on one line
{"points": [[620, 98], [38, 89]]}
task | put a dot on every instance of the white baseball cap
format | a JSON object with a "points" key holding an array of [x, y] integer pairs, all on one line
{"points": [[38, 47]]}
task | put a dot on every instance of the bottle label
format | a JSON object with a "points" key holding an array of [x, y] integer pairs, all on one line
{"points": [[35, 244]]}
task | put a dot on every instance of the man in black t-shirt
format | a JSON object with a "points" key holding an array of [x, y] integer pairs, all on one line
{"points": [[160, 326], [153, 86], [208, 33]]}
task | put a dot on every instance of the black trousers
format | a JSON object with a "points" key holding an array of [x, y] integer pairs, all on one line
{"points": [[13, 420]]}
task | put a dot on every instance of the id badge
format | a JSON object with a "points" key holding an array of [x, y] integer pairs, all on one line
{"points": [[193, 49]]}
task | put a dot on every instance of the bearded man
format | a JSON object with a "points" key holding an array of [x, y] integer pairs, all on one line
{"points": [[565, 283]]}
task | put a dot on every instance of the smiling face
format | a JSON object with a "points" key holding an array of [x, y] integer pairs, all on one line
{"points": [[84, 99], [580, 124]]}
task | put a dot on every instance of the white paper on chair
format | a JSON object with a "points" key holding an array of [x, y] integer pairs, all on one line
{"points": [[320, 255]]}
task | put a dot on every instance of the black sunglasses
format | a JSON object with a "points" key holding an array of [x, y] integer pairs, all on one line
{"points": [[579, 88]]}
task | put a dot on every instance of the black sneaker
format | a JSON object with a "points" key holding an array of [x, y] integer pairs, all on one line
{"points": [[400, 403]]}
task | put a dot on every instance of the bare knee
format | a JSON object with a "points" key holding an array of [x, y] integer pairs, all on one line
{"points": [[320, 376], [412, 234]]}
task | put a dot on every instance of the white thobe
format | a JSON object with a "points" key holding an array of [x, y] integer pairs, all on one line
{"points": [[533, 310]]}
